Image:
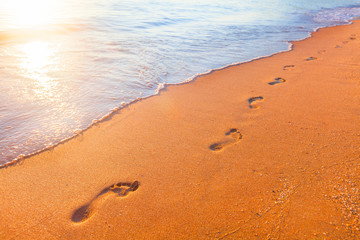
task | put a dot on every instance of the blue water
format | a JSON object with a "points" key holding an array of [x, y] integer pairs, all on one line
{"points": [[65, 63]]}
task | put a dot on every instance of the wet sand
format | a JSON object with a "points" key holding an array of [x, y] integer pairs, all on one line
{"points": [[262, 150]]}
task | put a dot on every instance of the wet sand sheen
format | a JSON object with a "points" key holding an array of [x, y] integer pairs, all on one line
{"points": [[228, 156]]}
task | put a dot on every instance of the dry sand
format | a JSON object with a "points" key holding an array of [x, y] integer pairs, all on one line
{"points": [[228, 156]]}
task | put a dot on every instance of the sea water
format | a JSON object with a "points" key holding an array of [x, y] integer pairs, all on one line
{"points": [[66, 63]]}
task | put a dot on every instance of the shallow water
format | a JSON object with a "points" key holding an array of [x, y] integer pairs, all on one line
{"points": [[64, 64]]}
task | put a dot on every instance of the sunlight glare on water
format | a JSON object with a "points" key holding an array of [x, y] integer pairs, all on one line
{"points": [[37, 57]]}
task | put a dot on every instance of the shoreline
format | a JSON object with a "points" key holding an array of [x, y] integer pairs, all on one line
{"points": [[262, 149], [160, 87]]}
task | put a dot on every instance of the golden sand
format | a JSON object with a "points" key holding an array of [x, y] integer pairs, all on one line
{"points": [[261, 150]]}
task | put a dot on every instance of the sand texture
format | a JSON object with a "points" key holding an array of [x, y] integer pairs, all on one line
{"points": [[263, 150]]}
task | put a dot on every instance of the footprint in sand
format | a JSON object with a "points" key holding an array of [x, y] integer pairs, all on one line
{"points": [[353, 37], [288, 67], [254, 99], [338, 46], [277, 81], [322, 51], [121, 189], [345, 42], [233, 136], [311, 59]]}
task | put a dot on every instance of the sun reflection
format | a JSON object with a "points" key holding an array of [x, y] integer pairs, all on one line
{"points": [[38, 61], [37, 55], [31, 13]]}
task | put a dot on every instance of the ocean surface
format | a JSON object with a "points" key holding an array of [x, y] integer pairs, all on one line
{"points": [[66, 63]]}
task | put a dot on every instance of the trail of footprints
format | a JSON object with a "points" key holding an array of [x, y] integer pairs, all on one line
{"points": [[233, 135], [122, 189], [351, 38]]}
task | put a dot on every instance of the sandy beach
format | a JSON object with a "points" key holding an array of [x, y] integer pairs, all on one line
{"points": [[267, 149]]}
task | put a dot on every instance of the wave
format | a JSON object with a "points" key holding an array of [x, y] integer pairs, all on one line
{"points": [[336, 16]]}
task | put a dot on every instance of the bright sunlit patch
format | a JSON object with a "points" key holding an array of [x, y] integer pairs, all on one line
{"points": [[37, 62], [37, 55], [31, 13]]}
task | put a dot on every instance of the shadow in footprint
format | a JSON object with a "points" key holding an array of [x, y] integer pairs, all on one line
{"points": [[122, 189], [311, 59], [233, 136], [277, 81], [254, 99], [288, 67]]}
